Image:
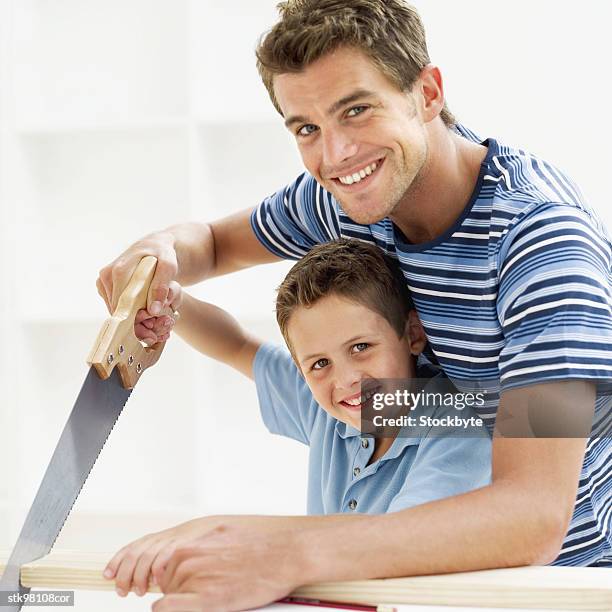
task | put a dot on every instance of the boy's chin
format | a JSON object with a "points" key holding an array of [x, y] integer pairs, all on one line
{"points": [[352, 422]]}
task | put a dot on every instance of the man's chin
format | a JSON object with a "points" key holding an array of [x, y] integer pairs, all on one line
{"points": [[363, 215]]}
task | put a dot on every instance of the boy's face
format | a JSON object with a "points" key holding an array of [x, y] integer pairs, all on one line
{"points": [[338, 343]]}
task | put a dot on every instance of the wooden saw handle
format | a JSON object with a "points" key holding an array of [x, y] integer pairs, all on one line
{"points": [[117, 345]]}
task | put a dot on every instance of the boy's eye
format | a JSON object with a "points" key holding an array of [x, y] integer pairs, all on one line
{"points": [[360, 347], [307, 129], [320, 364], [356, 110]]}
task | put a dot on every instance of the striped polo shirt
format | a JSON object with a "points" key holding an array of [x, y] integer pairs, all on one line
{"points": [[516, 292]]}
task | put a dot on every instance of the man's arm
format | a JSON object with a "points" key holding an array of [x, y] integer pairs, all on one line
{"points": [[187, 253], [521, 518]]}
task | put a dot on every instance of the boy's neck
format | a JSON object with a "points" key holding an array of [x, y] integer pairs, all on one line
{"points": [[381, 446]]}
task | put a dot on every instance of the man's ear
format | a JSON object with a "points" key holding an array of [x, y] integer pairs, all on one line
{"points": [[432, 92], [416, 333]]}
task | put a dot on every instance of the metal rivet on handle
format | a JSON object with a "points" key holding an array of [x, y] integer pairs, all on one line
{"points": [[110, 359], [139, 368], [130, 360]]}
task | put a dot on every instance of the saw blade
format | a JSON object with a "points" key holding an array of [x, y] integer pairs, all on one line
{"points": [[93, 417]]}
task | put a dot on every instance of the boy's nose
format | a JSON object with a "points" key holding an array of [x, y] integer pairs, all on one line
{"points": [[348, 380]]}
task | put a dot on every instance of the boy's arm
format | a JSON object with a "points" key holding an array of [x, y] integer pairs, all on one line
{"points": [[215, 333]]}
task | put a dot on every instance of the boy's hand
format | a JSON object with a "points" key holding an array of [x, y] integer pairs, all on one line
{"points": [[144, 560], [153, 329]]}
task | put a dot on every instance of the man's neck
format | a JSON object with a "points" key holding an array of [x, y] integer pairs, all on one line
{"points": [[443, 187]]}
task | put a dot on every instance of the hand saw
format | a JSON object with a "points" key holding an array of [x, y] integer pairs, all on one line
{"points": [[117, 361]]}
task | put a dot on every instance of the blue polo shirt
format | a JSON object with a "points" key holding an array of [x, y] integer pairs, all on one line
{"points": [[413, 471]]}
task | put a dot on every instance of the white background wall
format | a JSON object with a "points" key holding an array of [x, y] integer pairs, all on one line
{"points": [[118, 117]]}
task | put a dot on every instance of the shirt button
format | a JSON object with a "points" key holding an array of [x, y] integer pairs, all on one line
{"points": [[365, 443], [356, 471], [352, 504]]}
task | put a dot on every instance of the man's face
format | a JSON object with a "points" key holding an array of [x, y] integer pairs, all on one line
{"points": [[359, 136], [337, 344]]}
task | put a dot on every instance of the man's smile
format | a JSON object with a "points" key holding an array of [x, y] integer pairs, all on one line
{"points": [[360, 177]]}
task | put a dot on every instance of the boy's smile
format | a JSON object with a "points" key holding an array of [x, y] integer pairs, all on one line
{"points": [[337, 344]]}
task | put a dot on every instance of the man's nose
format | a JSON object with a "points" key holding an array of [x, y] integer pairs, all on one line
{"points": [[338, 147]]}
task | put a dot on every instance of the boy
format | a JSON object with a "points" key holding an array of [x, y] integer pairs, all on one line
{"points": [[346, 316]]}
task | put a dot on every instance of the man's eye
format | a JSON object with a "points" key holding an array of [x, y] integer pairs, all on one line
{"points": [[307, 129], [356, 110], [360, 347], [320, 364]]}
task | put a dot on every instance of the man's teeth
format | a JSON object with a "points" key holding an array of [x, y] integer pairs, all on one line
{"points": [[355, 178]]}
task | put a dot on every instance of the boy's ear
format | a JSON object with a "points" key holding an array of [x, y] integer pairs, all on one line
{"points": [[416, 333]]}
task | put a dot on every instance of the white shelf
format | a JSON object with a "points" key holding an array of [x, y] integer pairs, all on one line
{"points": [[248, 294], [232, 178], [104, 60], [219, 86], [137, 124]]}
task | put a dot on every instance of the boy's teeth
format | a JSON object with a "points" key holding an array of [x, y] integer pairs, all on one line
{"points": [[353, 402], [355, 178]]}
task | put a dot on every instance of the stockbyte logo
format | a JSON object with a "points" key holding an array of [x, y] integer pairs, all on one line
{"points": [[437, 407]]}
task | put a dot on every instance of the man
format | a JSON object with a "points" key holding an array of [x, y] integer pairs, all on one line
{"points": [[510, 274]]}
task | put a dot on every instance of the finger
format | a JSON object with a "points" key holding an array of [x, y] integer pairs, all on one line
{"points": [[162, 324], [161, 560], [165, 272], [175, 295], [184, 563], [125, 572], [142, 315], [144, 334], [121, 273], [142, 571], [111, 567], [169, 580], [144, 318], [178, 602]]}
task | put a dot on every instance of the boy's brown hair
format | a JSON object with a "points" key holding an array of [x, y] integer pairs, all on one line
{"points": [[349, 268], [390, 32]]}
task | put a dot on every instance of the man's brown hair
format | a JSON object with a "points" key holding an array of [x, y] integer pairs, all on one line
{"points": [[390, 32], [349, 268]]}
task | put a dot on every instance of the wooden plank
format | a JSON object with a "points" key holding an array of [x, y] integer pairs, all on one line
{"points": [[576, 588]]}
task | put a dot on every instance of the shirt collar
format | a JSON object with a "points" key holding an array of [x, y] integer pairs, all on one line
{"points": [[397, 448], [346, 431], [400, 443]]}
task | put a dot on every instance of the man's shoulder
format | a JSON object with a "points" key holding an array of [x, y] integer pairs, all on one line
{"points": [[520, 190]]}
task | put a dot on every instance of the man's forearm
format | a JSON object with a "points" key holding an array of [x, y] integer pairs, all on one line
{"points": [[486, 528], [205, 250], [272, 523], [195, 251]]}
